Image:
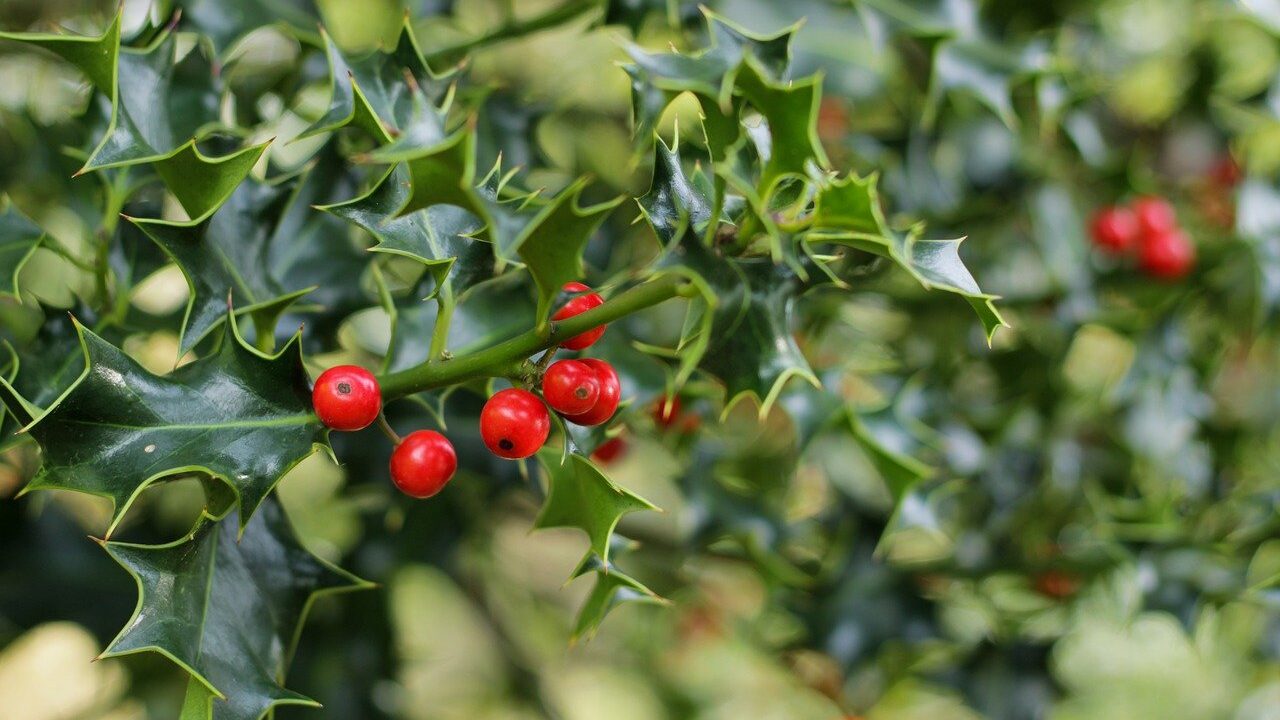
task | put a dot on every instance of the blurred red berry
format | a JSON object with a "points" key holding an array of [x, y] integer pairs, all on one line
{"points": [[1168, 255], [610, 450], [577, 306], [1115, 229], [1155, 216], [1057, 584], [666, 411], [1225, 173]]}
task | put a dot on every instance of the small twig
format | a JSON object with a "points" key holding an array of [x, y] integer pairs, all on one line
{"points": [[387, 430]]}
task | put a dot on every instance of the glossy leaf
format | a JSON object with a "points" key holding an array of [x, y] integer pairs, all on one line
{"points": [[19, 238], [160, 105], [237, 416], [580, 496], [390, 95], [238, 253], [438, 236], [228, 608]]}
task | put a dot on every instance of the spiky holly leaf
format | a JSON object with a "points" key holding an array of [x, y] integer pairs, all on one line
{"points": [[580, 496], [226, 21], [227, 609], [790, 109], [712, 73], [675, 200], [160, 105], [551, 245], [752, 349], [371, 92], [446, 175], [42, 369], [487, 314], [19, 238], [612, 588], [439, 236], [739, 331], [847, 212], [965, 59], [237, 416], [312, 249], [234, 252]]}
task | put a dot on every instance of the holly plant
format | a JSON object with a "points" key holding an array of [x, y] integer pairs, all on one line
{"points": [[684, 290]]}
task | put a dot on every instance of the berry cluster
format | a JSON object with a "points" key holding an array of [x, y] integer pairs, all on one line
{"points": [[514, 423], [1149, 227]]}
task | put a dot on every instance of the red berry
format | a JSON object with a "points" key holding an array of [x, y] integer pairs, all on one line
{"points": [[1057, 584], [347, 397], [423, 463], [1167, 255], [1155, 216], [514, 423], [666, 411], [1114, 229], [610, 394], [570, 387], [609, 450], [1225, 173], [577, 306]]}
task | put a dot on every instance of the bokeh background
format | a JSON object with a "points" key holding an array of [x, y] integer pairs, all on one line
{"points": [[1098, 535]]}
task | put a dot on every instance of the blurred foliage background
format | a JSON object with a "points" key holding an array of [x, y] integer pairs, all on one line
{"points": [[1097, 533]]}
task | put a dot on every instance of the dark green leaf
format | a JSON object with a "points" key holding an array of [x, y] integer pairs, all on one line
{"points": [[439, 236], [19, 238], [234, 252], [228, 609], [372, 93], [160, 105], [612, 588], [580, 496], [238, 416]]}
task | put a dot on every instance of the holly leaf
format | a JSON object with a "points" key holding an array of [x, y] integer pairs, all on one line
{"points": [[226, 21], [309, 249], [712, 72], [42, 369], [752, 349], [580, 496], [790, 109], [19, 239], [228, 609], [446, 175], [160, 105], [486, 315], [438, 236], [847, 212], [237, 416], [674, 201], [393, 95], [612, 588], [551, 245], [234, 252]]}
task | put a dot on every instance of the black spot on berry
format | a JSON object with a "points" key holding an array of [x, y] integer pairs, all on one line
{"points": [[506, 444]]}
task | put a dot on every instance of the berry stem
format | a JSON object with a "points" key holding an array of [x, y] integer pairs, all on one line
{"points": [[504, 355], [387, 430]]}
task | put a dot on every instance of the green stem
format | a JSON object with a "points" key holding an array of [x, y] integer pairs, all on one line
{"points": [[444, 316], [515, 29], [501, 358]]}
